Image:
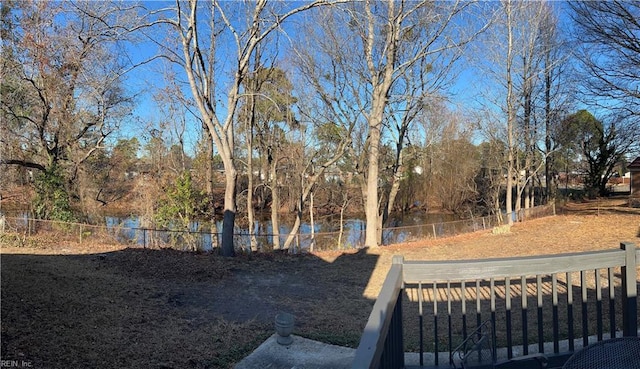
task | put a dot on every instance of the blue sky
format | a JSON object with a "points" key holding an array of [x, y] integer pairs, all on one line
{"points": [[148, 78]]}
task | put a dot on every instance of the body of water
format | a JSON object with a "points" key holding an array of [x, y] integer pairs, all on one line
{"points": [[326, 231]]}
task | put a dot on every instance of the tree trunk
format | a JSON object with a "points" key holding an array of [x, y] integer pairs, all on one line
{"points": [[275, 205], [209, 186], [253, 246], [527, 195], [344, 206], [511, 118], [313, 233], [229, 215], [549, 157], [372, 232], [308, 187]]}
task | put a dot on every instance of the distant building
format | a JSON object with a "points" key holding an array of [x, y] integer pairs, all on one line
{"points": [[634, 169]]}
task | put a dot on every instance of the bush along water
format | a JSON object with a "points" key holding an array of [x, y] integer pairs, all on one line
{"points": [[52, 197], [177, 211]]}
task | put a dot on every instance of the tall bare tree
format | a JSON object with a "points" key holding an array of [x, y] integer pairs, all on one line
{"points": [[390, 43], [270, 122], [517, 74], [555, 90], [608, 33], [211, 35], [609, 36]]}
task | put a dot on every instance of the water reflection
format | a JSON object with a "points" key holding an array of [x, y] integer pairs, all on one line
{"points": [[327, 233]]}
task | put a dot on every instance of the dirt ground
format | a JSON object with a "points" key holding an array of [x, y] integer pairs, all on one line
{"points": [[73, 306]]}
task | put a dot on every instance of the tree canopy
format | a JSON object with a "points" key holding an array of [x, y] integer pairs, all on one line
{"points": [[372, 107]]}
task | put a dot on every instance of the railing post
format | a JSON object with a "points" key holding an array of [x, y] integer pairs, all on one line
{"points": [[393, 355], [629, 291], [381, 345]]}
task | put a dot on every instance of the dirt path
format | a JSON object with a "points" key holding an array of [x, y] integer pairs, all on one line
{"points": [[65, 306]]}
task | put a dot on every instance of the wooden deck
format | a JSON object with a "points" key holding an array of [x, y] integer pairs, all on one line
{"points": [[524, 301]]}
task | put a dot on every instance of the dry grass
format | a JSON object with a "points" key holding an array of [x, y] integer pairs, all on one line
{"points": [[66, 305]]}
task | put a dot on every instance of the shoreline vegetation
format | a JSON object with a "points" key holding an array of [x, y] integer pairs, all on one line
{"points": [[345, 235]]}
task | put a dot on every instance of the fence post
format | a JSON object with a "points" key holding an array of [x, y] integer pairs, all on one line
{"points": [[144, 238], [80, 232], [434, 230], [629, 291]]}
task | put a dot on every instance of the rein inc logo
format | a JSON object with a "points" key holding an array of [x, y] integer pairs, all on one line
{"points": [[16, 364]]}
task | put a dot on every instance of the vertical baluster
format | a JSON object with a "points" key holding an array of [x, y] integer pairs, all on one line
{"points": [[435, 322], [554, 297], [463, 297], [507, 297], [525, 331], [478, 305], [492, 289], [420, 318], [570, 310], [449, 326], [540, 317], [612, 303], [629, 291], [599, 304], [585, 326]]}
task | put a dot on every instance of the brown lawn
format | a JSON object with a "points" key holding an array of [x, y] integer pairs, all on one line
{"points": [[70, 306]]}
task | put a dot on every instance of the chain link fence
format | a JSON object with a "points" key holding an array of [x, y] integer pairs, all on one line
{"points": [[25, 231]]}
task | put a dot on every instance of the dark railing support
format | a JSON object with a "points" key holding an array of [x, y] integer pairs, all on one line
{"points": [[629, 291], [381, 345], [393, 354]]}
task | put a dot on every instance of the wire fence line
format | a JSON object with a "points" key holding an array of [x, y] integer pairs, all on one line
{"points": [[26, 230]]}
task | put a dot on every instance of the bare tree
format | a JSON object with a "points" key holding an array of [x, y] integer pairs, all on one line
{"points": [[449, 161], [390, 43], [609, 34], [530, 51], [269, 124], [212, 34], [521, 81], [313, 161], [556, 88], [543, 88]]}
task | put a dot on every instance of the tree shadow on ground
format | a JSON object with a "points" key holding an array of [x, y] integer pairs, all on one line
{"points": [[164, 308]]}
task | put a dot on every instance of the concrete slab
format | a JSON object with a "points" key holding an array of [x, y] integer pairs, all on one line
{"points": [[303, 353]]}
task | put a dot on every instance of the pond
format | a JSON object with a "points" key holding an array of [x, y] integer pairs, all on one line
{"points": [[327, 231]]}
